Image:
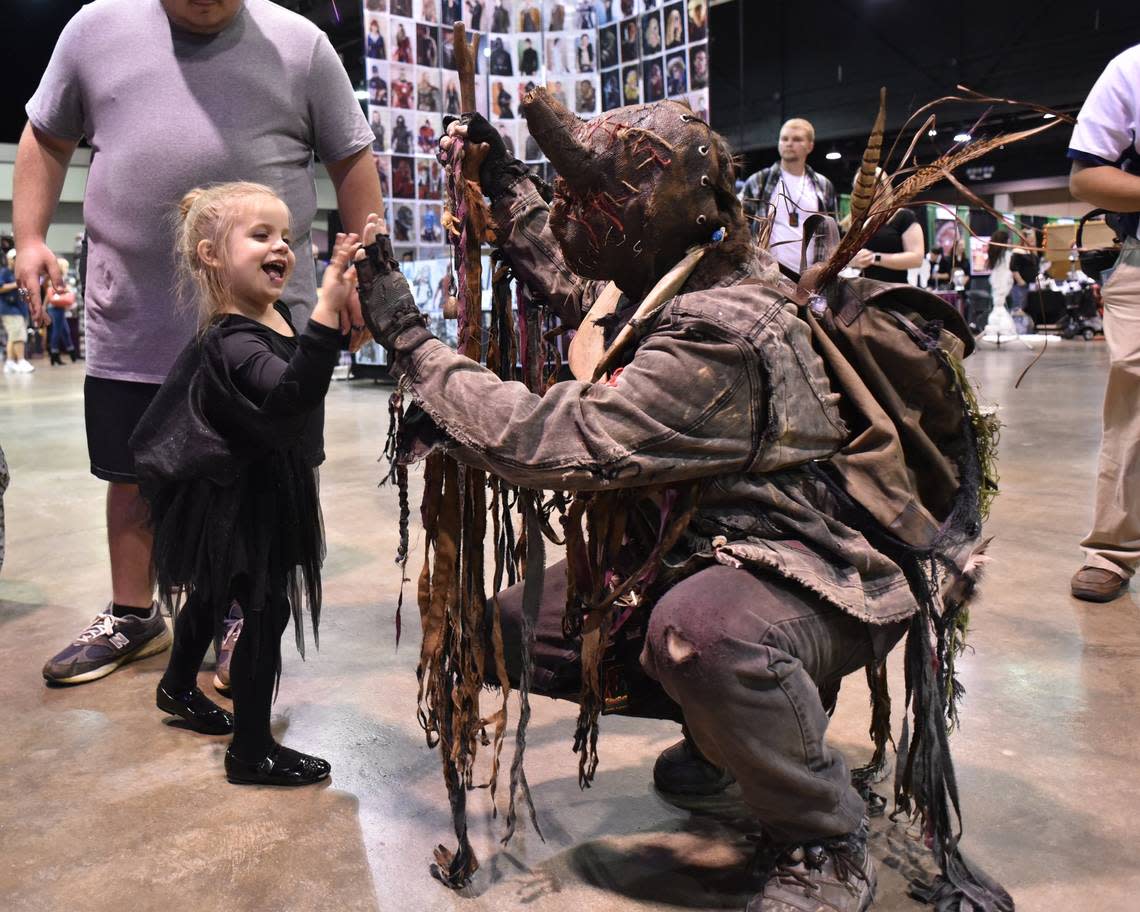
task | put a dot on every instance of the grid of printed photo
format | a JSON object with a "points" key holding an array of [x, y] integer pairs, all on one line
{"points": [[593, 55]]}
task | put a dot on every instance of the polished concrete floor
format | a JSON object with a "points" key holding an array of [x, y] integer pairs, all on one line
{"points": [[103, 806]]}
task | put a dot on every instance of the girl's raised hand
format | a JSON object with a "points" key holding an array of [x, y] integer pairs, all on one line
{"points": [[340, 277], [339, 283]]}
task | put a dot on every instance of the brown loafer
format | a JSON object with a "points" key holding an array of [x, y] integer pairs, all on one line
{"points": [[1096, 585]]}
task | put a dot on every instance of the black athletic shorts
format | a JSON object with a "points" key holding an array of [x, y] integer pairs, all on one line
{"points": [[111, 409]]}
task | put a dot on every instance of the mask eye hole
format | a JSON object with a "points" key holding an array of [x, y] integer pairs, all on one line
{"points": [[705, 182], [701, 219], [704, 150]]}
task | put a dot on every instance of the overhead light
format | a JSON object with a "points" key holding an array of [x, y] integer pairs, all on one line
{"points": [[932, 132], [962, 137], [834, 155], [1048, 116]]}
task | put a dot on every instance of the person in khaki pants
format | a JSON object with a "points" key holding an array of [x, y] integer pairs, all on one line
{"points": [[1105, 143]]}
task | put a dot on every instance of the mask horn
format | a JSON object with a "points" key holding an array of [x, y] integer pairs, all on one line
{"points": [[556, 131]]}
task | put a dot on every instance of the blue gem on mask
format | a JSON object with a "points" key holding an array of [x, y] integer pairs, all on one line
{"points": [[718, 235]]}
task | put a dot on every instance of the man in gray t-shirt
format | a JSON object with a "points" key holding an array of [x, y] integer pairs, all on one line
{"points": [[170, 94]]}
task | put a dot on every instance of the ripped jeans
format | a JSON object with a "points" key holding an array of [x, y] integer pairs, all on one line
{"points": [[745, 658]]}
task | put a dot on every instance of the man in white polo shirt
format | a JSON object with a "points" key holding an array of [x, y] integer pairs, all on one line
{"points": [[790, 191], [1105, 150]]}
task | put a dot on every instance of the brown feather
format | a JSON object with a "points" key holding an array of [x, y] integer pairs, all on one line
{"points": [[922, 177], [865, 183]]}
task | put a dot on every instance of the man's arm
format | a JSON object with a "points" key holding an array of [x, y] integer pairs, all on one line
{"points": [[1105, 186], [357, 188], [831, 199], [41, 165], [520, 218]]}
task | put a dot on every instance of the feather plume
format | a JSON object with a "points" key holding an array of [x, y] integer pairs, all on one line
{"points": [[866, 183], [917, 178]]}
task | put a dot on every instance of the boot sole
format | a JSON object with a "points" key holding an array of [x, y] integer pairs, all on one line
{"points": [[151, 647], [1097, 595], [697, 791]]}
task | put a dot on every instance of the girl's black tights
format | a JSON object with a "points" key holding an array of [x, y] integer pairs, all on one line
{"points": [[193, 631], [253, 668], [253, 677]]}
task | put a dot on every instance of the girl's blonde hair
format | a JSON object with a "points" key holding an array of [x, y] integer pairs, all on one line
{"points": [[209, 214]]}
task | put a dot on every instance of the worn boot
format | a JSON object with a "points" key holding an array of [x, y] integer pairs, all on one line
{"points": [[55, 358], [831, 875], [683, 770]]}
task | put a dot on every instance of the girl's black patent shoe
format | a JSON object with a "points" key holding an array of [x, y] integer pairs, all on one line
{"points": [[200, 712], [281, 766]]}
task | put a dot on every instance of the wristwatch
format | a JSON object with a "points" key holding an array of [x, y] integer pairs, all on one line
{"points": [[878, 258]]}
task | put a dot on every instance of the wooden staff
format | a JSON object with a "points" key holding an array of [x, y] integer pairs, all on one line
{"points": [[466, 55], [455, 596]]}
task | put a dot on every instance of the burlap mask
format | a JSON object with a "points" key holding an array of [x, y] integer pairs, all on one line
{"points": [[637, 186]]}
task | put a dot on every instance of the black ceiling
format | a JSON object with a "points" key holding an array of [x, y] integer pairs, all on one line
{"points": [[819, 59], [826, 59]]}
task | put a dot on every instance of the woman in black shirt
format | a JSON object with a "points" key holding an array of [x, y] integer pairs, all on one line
{"points": [[893, 249], [896, 247]]}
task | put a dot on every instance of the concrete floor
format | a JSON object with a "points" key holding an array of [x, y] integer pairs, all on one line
{"points": [[105, 807]]}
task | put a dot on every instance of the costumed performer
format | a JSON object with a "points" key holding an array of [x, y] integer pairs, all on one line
{"points": [[750, 501]]}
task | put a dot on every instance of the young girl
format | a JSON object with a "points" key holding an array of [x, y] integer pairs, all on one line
{"points": [[227, 457]]}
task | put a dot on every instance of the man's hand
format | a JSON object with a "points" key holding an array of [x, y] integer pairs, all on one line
{"points": [[374, 225], [391, 309], [36, 262]]}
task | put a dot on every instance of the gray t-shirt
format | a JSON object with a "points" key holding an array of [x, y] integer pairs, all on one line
{"points": [[166, 110]]}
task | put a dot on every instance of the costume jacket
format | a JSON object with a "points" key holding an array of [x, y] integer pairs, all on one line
{"points": [[725, 387]]}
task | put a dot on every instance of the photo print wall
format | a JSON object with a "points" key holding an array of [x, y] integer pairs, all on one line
{"points": [[593, 55]]}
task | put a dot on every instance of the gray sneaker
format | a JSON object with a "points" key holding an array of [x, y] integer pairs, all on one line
{"points": [[107, 643], [225, 649]]}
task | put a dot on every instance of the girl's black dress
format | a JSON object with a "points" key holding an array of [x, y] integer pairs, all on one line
{"points": [[227, 456]]}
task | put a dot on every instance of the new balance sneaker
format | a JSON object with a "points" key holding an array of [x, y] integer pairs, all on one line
{"points": [[107, 643], [225, 649]]}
